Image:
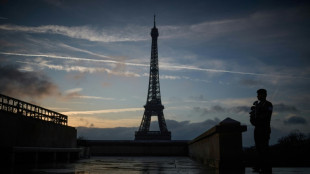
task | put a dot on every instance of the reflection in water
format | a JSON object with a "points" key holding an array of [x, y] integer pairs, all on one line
{"points": [[139, 165], [131, 165]]}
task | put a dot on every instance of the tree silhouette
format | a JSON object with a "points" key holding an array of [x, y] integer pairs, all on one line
{"points": [[295, 137]]}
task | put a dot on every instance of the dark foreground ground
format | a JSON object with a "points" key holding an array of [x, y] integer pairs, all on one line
{"points": [[137, 165], [292, 150]]}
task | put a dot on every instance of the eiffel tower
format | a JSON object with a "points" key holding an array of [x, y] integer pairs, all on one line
{"points": [[153, 106]]}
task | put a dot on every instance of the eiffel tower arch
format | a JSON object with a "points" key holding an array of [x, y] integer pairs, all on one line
{"points": [[153, 106]]}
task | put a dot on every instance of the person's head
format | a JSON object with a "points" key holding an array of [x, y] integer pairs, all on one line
{"points": [[261, 94]]}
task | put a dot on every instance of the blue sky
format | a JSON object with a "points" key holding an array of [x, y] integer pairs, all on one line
{"points": [[90, 60]]}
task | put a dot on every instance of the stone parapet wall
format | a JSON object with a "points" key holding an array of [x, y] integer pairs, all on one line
{"points": [[220, 146], [135, 148]]}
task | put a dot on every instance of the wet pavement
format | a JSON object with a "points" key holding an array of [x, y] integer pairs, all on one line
{"points": [[139, 165], [131, 165]]}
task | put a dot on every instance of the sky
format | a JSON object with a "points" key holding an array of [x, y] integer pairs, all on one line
{"points": [[90, 60]]}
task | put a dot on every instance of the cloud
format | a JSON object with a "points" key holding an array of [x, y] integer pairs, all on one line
{"points": [[240, 109], [213, 109], [74, 90], [94, 97], [183, 130], [199, 98], [106, 111], [294, 120], [75, 93], [82, 69], [186, 131], [284, 108], [169, 77], [257, 27], [85, 123], [119, 133], [84, 32], [17, 83], [261, 24], [170, 67], [204, 30], [280, 108], [72, 93], [85, 51], [195, 68], [72, 58], [220, 109]]}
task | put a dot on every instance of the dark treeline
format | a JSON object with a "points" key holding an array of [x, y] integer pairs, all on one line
{"points": [[292, 150]]}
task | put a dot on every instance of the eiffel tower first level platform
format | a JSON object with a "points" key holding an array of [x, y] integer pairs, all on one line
{"points": [[153, 106]]}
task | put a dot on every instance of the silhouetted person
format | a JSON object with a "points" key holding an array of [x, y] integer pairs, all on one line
{"points": [[260, 118]]}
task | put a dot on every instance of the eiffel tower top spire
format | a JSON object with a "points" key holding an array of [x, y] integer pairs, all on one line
{"points": [[154, 32]]}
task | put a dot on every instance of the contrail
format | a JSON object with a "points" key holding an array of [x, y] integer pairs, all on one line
{"points": [[166, 67], [85, 51], [233, 72], [73, 58]]}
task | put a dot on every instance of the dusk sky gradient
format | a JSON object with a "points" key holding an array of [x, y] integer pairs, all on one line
{"points": [[90, 61]]}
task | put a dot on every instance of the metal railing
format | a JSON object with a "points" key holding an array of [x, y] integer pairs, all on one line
{"points": [[16, 106]]}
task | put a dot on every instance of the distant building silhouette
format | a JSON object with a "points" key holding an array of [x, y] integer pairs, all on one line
{"points": [[153, 106], [32, 136], [9, 104]]}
